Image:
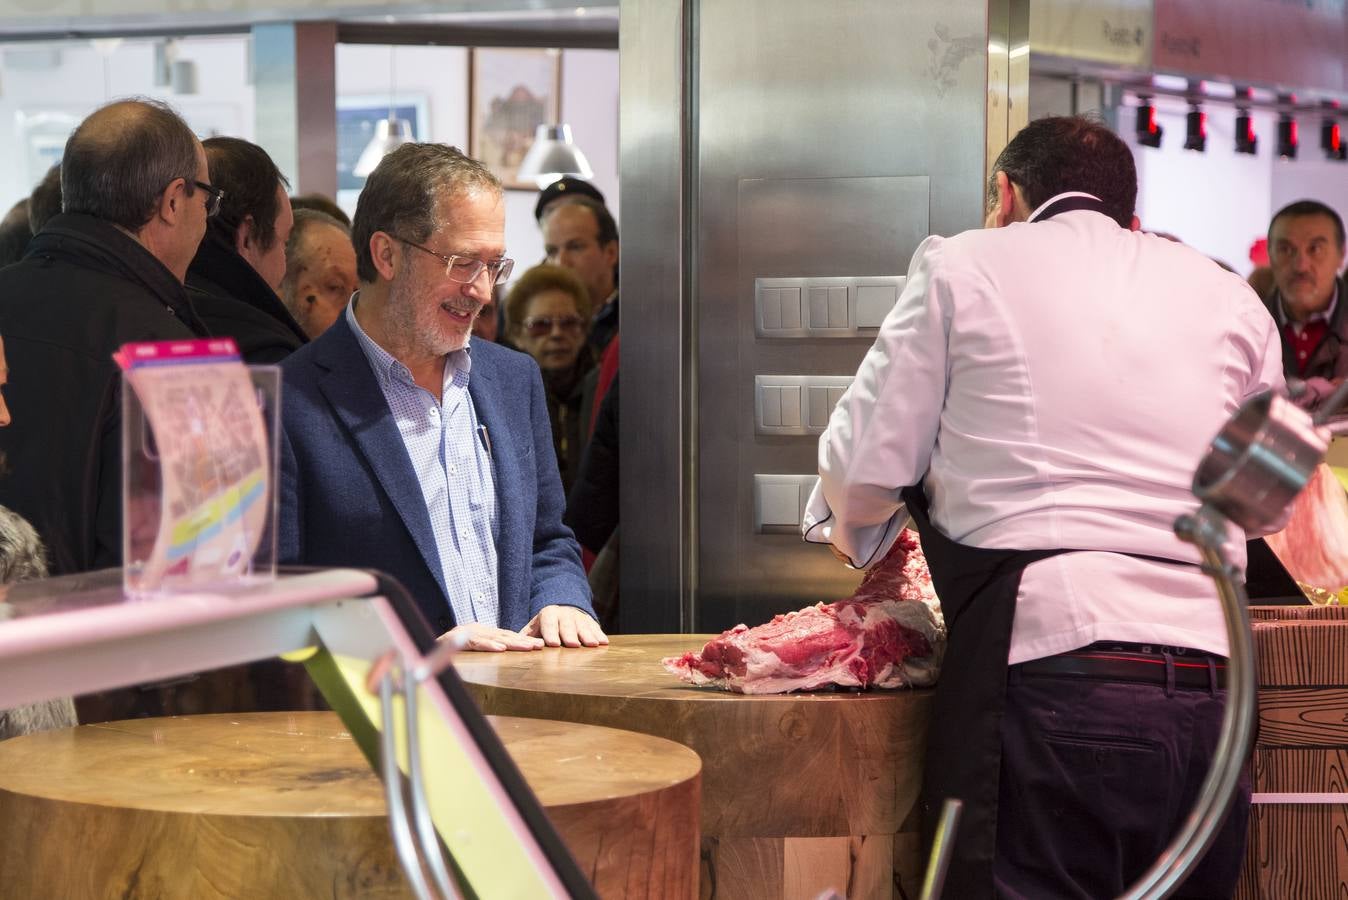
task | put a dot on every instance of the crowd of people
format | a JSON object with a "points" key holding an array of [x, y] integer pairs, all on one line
{"points": [[457, 453]]}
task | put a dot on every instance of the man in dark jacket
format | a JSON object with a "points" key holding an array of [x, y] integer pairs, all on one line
{"points": [[1306, 250], [234, 279], [108, 270]]}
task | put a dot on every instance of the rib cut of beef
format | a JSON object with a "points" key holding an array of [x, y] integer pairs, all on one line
{"points": [[888, 634]]}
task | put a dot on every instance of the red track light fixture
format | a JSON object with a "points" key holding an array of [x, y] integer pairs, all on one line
{"points": [[1148, 131], [1246, 140], [1196, 129]]}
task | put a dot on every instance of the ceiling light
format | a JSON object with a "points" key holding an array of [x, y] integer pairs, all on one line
{"points": [[1196, 130], [1148, 132], [1246, 140], [1287, 136], [388, 133], [552, 155]]}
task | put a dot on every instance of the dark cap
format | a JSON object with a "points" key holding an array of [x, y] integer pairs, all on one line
{"points": [[563, 187]]}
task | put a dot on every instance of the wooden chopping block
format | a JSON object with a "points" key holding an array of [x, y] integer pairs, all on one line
{"points": [[801, 793], [1295, 845], [284, 805]]}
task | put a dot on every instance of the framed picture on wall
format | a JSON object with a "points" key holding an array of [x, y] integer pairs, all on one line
{"points": [[357, 118], [510, 93]]}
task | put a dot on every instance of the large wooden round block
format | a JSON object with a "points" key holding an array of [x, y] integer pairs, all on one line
{"points": [[800, 792], [283, 805]]}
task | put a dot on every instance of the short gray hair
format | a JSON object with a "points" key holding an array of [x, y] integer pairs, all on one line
{"points": [[22, 556], [120, 159], [400, 195]]}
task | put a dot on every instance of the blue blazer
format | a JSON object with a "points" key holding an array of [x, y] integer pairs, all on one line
{"points": [[349, 496]]}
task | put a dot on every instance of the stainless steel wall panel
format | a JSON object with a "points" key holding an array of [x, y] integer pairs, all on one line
{"points": [[763, 140], [832, 138]]}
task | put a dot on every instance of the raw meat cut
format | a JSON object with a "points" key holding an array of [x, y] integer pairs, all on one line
{"points": [[888, 634], [1314, 545]]}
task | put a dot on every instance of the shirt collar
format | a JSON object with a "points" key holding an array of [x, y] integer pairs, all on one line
{"points": [[387, 369], [1325, 315], [1034, 215]]}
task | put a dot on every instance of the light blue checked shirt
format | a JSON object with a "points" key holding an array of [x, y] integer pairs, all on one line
{"points": [[452, 463]]}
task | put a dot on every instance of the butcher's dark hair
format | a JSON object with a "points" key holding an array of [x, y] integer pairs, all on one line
{"points": [[120, 160], [1070, 153], [249, 178], [1308, 208]]}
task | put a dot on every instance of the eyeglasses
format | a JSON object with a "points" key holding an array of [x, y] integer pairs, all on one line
{"points": [[466, 269], [538, 326], [213, 198]]}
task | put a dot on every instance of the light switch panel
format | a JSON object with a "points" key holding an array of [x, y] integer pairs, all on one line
{"points": [[823, 307], [796, 404], [779, 502]]}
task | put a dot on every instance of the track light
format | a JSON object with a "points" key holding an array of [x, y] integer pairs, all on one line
{"points": [[1330, 140], [1196, 130], [1148, 132], [1246, 140], [1287, 136]]}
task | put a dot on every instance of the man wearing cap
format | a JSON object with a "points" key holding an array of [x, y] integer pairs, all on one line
{"points": [[579, 234], [562, 189]]}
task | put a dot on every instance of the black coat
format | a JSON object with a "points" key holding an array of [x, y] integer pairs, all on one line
{"points": [[592, 507], [234, 301], [83, 289], [1329, 359]]}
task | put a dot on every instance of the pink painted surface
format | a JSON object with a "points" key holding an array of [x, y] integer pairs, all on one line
{"points": [[77, 610]]}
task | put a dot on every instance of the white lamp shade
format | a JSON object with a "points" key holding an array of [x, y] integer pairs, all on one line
{"points": [[388, 134], [553, 155]]}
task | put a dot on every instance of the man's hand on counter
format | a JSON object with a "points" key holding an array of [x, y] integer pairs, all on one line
{"points": [[477, 636], [565, 626]]}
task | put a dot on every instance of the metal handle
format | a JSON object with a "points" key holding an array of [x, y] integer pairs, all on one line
{"points": [[1207, 530], [403, 841], [429, 841]]}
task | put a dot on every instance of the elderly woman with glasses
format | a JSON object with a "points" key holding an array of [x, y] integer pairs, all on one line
{"points": [[548, 316]]}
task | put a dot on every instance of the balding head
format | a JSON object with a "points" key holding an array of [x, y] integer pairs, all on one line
{"points": [[121, 159], [320, 271]]}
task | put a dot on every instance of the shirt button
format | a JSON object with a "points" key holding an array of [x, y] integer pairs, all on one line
{"points": [[453, 470]]}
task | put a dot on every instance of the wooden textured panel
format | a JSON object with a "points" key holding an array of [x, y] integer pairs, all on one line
{"points": [[1297, 852], [742, 867], [284, 805], [1303, 717], [811, 866], [1294, 654], [1300, 771], [1297, 613]]}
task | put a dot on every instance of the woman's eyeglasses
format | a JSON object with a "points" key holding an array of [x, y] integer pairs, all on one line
{"points": [[538, 326]]}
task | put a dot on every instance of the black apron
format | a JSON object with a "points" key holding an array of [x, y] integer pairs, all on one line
{"points": [[964, 746]]}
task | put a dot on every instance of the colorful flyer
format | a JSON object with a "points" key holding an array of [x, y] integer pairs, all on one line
{"points": [[197, 484]]}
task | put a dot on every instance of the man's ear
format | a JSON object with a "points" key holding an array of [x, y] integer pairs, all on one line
{"points": [[1135, 225], [383, 254], [245, 235], [171, 201], [611, 253], [1004, 207]]}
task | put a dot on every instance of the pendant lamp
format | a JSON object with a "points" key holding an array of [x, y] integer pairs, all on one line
{"points": [[388, 133], [552, 155]]}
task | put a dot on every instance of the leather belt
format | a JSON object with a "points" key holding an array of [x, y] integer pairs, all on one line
{"points": [[1190, 671]]}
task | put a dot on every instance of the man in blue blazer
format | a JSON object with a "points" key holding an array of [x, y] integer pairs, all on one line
{"points": [[409, 449]]}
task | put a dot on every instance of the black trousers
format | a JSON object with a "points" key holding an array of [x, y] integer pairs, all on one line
{"points": [[1097, 777]]}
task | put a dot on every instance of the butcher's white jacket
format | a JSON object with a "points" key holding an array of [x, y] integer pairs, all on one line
{"points": [[1056, 383]]}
